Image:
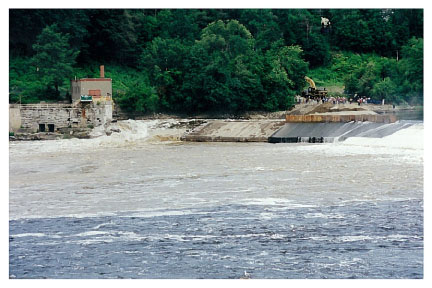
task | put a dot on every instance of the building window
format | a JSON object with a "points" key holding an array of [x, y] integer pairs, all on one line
{"points": [[51, 127], [41, 127], [96, 92]]}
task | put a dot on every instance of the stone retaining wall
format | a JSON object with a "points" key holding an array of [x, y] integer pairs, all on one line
{"points": [[30, 117]]}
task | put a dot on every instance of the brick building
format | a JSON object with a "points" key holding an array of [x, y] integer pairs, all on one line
{"points": [[91, 106], [92, 89]]}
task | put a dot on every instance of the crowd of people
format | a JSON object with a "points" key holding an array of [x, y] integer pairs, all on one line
{"points": [[334, 100]]}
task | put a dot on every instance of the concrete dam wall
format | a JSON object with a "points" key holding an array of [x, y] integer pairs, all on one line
{"points": [[280, 132], [233, 131], [334, 131]]}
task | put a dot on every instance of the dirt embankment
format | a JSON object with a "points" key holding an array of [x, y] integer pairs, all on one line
{"points": [[345, 109]]}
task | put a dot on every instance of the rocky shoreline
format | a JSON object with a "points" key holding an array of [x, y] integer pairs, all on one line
{"points": [[81, 133]]}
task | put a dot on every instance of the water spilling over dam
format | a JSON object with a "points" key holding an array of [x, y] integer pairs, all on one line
{"points": [[335, 131]]}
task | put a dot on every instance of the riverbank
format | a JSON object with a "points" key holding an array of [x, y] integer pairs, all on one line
{"points": [[253, 126], [353, 108]]}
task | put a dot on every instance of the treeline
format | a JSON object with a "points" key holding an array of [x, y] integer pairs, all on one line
{"points": [[194, 60], [395, 80]]}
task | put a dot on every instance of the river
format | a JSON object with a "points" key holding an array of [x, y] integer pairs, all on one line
{"points": [[131, 206]]}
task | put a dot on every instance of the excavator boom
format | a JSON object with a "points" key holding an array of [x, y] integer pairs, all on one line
{"points": [[312, 91], [310, 81]]}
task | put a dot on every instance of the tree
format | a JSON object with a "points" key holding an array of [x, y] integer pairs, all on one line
{"points": [[283, 76], [24, 87], [316, 50], [165, 61], [296, 24], [219, 75], [385, 89], [262, 23], [132, 90], [54, 58], [411, 70], [351, 83], [218, 59], [230, 38], [179, 23], [26, 24], [138, 97], [351, 30]]}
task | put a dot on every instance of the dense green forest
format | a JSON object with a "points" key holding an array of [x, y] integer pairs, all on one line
{"points": [[200, 60]]}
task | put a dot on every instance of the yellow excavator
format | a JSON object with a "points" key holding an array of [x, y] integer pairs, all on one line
{"points": [[313, 92]]}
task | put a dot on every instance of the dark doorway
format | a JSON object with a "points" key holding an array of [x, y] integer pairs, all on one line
{"points": [[51, 127], [41, 127]]}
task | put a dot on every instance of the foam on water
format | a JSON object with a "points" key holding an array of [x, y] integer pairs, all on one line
{"points": [[278, 202], [80, 215], [131, 133], [91, 233], [158, 213], [324, 216], [92, 237], [29, 235], [409, 138], [268, 201], [406, 144]]}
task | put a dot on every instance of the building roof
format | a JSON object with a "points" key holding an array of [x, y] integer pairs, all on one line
{"points": [[92, 79]]}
